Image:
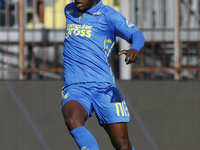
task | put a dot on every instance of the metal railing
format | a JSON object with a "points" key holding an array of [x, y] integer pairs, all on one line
{"points": [[172, 32], [31, 48]]}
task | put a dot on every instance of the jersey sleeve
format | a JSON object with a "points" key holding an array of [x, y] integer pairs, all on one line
{"points": [[123, 28], [120, 25]]}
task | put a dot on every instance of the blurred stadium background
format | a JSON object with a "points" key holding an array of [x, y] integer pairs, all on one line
{"points": [[162, 90]]}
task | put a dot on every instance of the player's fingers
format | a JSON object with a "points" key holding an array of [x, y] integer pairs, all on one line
{"points": [[122, 52], [128, 58], [132, 58], [128, 61], [136, 57]]}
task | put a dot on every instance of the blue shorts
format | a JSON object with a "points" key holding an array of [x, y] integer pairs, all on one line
{"points": [[103, 98]]}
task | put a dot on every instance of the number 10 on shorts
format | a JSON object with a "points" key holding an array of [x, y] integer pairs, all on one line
{"points": [[121, 108]]}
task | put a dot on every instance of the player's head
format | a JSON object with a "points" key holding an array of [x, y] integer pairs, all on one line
{"points": [[83, 5]]}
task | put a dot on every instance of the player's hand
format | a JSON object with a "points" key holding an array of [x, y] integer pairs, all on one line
{"points": [[132, 55]]}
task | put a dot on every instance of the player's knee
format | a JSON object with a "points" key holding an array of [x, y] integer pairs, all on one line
{"points": [[72, 123], [123, 144], [69, 121], [123, 147], [74, 118]]}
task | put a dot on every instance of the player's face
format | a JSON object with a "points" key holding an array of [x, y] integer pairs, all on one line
{"points": [[83, 5]]}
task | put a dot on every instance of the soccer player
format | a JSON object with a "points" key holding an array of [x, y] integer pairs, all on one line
{"points": [[89, 85]]}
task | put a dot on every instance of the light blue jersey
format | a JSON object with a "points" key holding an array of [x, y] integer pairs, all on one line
{"points": [[89, 41]]}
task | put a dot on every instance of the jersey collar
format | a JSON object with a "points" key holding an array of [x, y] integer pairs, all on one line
{"points": [[95, 8]]}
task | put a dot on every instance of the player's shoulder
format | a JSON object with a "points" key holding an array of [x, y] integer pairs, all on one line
{"points": [[111, 14], [69, 6], [109, 10]]}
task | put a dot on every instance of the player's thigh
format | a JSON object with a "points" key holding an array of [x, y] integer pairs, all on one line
{"points": [[76, 107], [74, 114]]}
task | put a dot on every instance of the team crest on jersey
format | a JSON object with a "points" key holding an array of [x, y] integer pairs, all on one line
{"points": [[129, 24], [80, 17], [71, 11]]}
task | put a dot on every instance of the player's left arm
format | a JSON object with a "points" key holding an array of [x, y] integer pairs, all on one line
{"points": [[132, 55], [121, 27]]}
